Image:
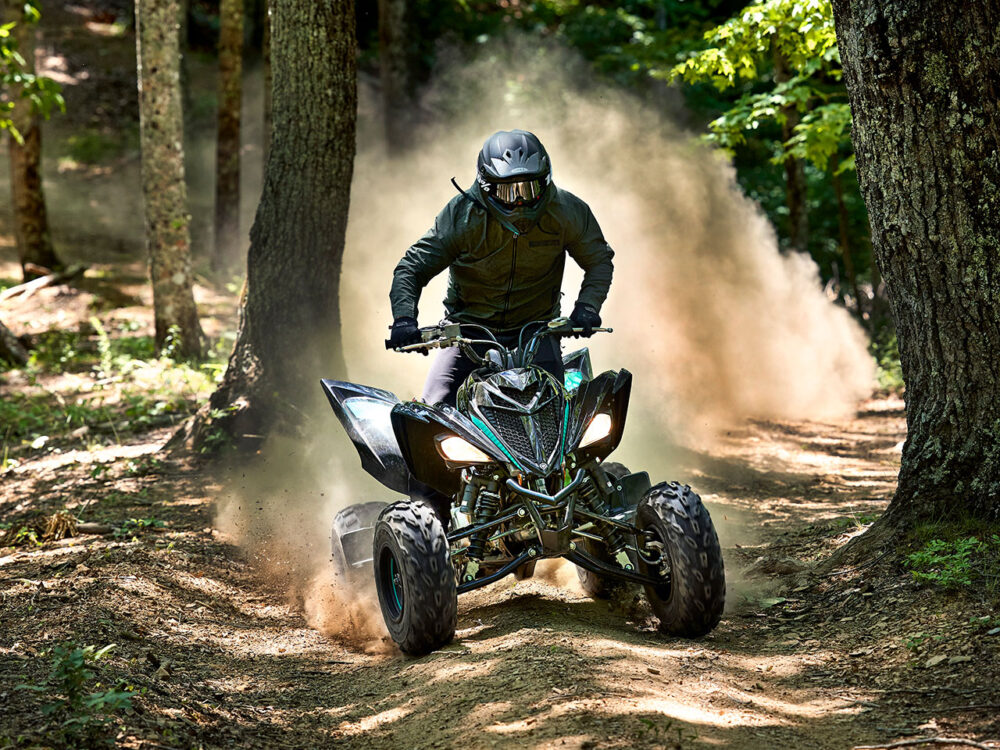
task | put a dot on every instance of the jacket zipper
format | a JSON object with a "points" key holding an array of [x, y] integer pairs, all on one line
{"points": [[510, 282]]}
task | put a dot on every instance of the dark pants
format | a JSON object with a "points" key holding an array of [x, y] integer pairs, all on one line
{"points": [[450, 367]]}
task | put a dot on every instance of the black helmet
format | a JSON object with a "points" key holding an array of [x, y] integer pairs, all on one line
{"points": [[514, 173]]}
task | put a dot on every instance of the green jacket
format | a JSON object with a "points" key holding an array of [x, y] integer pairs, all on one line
{"points": [[501, 277]]}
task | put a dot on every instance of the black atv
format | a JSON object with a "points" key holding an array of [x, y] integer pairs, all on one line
{"points": [[515, 474]]}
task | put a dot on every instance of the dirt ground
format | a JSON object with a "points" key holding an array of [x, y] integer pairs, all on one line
{"points": [[220, 658]]}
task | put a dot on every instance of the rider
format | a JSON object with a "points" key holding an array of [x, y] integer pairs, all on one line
{"points": [[505, 242]]}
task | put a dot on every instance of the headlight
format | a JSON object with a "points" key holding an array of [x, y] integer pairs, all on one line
{"points": [[461, 451], [598, 429]]}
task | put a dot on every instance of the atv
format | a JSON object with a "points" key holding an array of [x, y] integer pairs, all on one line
{"points": [[516, 473]]}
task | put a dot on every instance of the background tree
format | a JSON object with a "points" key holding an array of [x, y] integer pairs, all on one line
{"points": [[161, 136], [793, 44], [12, 350], [31, 223], [228, 243], [922, 78], [289, 330], [395, 72]]}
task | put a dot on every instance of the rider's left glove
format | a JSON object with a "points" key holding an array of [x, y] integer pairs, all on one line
{"points": [[584, 316], [404, 332]]}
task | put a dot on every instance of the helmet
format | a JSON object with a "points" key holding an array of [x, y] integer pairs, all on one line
{"points": [[514, 173]]}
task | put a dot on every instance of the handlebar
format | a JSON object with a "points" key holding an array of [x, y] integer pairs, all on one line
{"points": [[443, 337]]}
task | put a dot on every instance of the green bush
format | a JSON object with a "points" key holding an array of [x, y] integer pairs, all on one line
{"points": [[81, 718], [957, 563]]}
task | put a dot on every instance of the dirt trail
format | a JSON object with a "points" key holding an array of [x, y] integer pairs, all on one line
{"points": [[221, 659]]}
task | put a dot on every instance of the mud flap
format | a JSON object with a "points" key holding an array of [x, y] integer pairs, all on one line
{"points": [[352, 537], [632, 488]]}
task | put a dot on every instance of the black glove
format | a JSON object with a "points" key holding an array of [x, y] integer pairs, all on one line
{"points": [[585, 317], [404, 332]]}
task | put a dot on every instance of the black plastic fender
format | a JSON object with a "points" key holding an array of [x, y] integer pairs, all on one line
{"points": [[365, 413]]}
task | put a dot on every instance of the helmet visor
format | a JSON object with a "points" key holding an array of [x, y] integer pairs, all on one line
{"points": [[523, 193]]}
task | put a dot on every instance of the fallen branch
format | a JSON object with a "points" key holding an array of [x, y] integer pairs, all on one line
{"points": [[930, 741], [94, 528], [30, 287]]}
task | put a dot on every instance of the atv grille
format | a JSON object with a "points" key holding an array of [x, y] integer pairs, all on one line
{"points": [[509, 425]]}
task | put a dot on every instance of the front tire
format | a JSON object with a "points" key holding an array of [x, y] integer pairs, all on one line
{"points": [[690, 601], [414, 578]]}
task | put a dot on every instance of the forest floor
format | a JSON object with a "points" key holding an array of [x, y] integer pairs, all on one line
{"points": [[218, 654]]}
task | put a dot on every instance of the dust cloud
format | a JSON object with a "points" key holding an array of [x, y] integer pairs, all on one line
{"points": [[280, 510], [715, 323]]}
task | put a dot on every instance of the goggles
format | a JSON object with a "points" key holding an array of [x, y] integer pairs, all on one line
{"points": [[522, 193]]}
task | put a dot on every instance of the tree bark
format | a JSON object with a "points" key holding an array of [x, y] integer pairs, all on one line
{"points": [[268, 79], [924, 84], [796, 195], [11, 349], [31, 223], [161, 126], [394, 70], [289, 330], [228, 245]]}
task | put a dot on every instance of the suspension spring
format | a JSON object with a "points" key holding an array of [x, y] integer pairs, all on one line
{"points": [[592, 497], [487, 506]]}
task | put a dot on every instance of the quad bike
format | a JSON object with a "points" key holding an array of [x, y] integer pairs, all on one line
{"points": [[515, 474]]}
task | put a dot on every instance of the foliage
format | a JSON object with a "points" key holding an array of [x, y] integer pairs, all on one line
{"points": [[791, 44], [134, 389], [135, 526], [889, 371], [82, 717], [956, 563], [44, 94]]}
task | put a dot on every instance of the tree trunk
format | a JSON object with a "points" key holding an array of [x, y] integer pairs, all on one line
{"points": [[924, 83], [394, 70], [796, 194], [11, 349], [161, 125], [289, 330], [845, 242], [268, 79], [228, 245], [31, 223]]}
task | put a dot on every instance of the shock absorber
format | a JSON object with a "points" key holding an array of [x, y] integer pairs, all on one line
{"points": [[593, 495], [487, 504]]}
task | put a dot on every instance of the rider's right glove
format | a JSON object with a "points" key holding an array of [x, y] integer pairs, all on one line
{"points": [[584, 316], [404, 332]]}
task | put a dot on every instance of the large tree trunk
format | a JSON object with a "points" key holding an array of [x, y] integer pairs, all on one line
{"points": [[924, 84], [31, 223], [228, 245], [796, 194], [289, 330], [394, 72], [161, 134], [268, 79]]}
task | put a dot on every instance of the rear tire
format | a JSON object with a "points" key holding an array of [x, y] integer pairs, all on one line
{"points": [[414, 578], [352, 518], [690, 603], [595, 585]]}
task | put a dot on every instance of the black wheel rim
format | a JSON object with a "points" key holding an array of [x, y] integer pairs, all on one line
{"points": [[391, 584]]}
